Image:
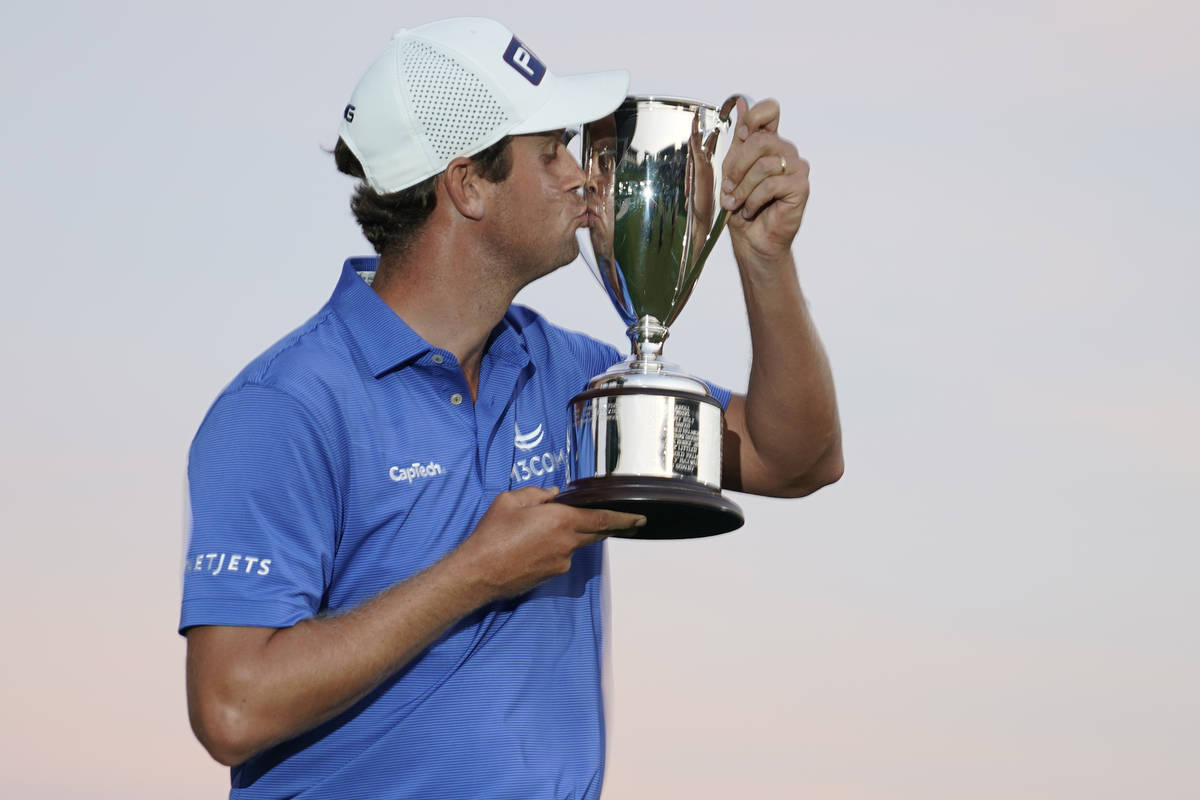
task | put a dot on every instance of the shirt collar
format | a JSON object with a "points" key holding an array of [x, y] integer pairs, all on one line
{"points": [[507, 343], [386, 340]]}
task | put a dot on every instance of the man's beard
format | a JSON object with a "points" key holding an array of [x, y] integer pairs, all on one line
{"points": [[568, 253]]}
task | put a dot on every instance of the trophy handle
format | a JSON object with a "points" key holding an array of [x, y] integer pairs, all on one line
{"points": [[688, 278], [731, 103]]}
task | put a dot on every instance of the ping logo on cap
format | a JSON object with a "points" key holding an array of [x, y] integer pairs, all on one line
{"points": [[524, 62]]}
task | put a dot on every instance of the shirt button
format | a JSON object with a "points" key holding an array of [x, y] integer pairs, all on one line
{"points": [[455, 399], [437, 358]]}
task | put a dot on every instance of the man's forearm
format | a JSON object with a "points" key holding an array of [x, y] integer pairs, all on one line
{"points": [[790, 410], [784, 435], [274, 684], [251, 688]]}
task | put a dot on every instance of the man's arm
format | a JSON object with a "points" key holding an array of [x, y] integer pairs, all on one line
{"points": [[783, 437], [251, 687]]}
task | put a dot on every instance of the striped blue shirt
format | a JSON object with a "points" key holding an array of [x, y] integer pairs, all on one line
{"points": [[349, 457]]}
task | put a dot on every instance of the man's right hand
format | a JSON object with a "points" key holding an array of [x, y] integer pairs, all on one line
{"points": [[524, 539]]}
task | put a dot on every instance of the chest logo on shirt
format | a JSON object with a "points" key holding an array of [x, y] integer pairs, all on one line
{"points": [[527, 441], [535, 464], [414, 471]]}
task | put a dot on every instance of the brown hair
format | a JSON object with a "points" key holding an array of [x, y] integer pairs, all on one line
{"points": [[391, 221]]}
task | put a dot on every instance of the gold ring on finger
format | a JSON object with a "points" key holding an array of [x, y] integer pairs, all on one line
{"points": [[782, 165]]}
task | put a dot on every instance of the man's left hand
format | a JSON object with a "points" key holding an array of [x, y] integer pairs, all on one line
{"points": [[765, 185]]}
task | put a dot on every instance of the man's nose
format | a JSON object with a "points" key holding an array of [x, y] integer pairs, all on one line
{"points": [[592, 183], [575, 177]]}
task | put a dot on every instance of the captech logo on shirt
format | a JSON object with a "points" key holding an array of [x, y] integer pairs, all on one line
{"points": [[414, 471]]}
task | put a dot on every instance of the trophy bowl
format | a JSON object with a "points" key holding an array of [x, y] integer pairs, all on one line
{"points": [[645, 437]]}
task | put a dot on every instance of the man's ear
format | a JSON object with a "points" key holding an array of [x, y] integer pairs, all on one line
{"points": [[464, 186]]}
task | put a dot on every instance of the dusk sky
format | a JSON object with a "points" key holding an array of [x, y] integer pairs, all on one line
{"points": [[997, 601]]}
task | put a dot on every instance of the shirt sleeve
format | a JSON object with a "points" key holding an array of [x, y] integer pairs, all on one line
{"points": [[264, 513]]}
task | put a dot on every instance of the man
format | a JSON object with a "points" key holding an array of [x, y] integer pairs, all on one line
{"points": [[376, 604]]}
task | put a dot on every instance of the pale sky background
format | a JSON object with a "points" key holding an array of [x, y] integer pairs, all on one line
{"points": [[1000, 598]]}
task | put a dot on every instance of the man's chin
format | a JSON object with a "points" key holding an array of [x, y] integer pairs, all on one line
{"points": [[569, 253], [567, 256]]}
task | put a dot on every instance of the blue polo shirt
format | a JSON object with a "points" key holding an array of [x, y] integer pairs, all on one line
{"points": [[349, 457]]}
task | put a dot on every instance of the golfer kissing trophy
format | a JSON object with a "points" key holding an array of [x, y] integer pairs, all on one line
{"points": [[646, 438]]}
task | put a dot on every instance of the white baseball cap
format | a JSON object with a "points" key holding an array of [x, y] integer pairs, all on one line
{"points": [[455, 87]]}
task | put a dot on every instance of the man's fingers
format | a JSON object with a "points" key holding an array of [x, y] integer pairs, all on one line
{"points": [[768, 191], [764, 115], [601, 519], [742, 157], [532, 496], [743, 132], [757, 158]]}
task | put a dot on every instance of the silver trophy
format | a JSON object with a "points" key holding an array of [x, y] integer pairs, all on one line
{"points": [[644, 436]]}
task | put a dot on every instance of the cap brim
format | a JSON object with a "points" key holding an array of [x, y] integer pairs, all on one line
{"points": [[577, 99]]}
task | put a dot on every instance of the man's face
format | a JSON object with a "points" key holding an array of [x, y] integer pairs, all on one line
{"points": [[600, 176], [539, 206]]}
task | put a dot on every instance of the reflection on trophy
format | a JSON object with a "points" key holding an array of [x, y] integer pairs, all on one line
{"points": [[645, 437]]}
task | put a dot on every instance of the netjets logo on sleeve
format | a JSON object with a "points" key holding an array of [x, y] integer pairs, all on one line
{"points": [[414, 471], [527, 441], [225, 563]]}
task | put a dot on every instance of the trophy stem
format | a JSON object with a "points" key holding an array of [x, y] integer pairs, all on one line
{"points": [[647, 336]]}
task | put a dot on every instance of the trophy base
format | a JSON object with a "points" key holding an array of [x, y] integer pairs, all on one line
{"points": [[673, 509]]}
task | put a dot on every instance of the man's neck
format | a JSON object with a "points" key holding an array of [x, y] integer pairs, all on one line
{"points": [[450, 299]]}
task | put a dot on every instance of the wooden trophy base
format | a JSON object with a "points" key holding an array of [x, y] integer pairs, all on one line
{"points": [[673, 508]]}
